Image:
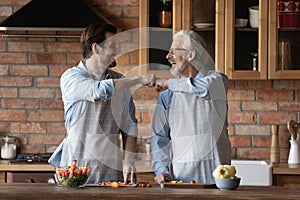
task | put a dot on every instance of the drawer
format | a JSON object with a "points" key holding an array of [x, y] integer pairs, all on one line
{"points": [[30, 177]]}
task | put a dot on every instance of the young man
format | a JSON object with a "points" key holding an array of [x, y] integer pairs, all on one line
{"points": [[189, 132], [98, 106]]}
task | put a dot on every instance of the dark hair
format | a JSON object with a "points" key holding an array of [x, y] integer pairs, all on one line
{"points": [[94, 33]]}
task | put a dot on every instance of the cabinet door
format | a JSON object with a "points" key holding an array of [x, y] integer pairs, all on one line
{"points": [[207, 18], [155, 41], [246, 47], [284, 40]]}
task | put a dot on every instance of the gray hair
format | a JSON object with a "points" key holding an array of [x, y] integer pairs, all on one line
{"points": [[193, 41]]}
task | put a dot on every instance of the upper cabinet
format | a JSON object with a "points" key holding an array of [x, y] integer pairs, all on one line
{"points": [[248, 39], [246, 45], [283, 39]]}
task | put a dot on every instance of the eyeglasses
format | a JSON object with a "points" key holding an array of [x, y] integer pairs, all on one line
{"points": [[173, 50]]}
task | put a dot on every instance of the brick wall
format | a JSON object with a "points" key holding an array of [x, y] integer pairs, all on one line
{"points": [[31, 106]]}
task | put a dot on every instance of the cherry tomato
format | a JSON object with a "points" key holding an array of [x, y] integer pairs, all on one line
{"points": [[149, 185]]}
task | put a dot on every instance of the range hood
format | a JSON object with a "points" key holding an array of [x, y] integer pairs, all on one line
{"points": [[52, 15]]}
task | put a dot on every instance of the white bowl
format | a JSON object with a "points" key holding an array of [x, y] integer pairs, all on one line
{"points": [[241, 22], [227, 183]]}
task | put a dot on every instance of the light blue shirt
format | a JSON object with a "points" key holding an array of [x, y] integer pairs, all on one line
{"points": [[160, 135], [78, 85]]}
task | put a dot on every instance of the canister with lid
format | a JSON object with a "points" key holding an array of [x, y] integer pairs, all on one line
{"points": [[9, 147]]}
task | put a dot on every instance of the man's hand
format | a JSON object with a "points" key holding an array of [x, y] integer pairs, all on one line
{"points": [[161, 84], [148, 80], [129, 173], [163, 178]]}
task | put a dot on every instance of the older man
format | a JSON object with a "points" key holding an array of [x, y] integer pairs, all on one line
{"points": [[189, 132]]}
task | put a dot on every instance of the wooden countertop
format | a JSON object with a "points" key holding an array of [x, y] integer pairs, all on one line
{"points": [[38, 191], [285, 168], [141, 167]]}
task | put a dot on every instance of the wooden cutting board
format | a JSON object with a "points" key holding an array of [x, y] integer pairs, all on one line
{"points": [[188, 185], [98, 185]]}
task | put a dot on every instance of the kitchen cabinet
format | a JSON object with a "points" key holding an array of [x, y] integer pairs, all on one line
{"points": [[277, 35], [41, 173], [242, 53], [213, 33], [285, 174]]}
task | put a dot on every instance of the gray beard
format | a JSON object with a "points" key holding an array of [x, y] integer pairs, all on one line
{"points": [[175, 72]]}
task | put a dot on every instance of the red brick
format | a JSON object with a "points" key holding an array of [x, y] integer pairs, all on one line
{"points": [[46, 116], [64, 47], [56, 128], [143, 104], [123, 60], [234, 105], [275, 95], [37, 93], [47, 139], [131, 11], [3, 127], [275, 117], [262, 141], [32, 148], [26, 46], [2, 44], [245, 118], [138, 116], [237, 141], [47, 58], [73, 59], [6, 10], [58, 70], [289, 106], [230, 130], [13, 58], [127, 70], [240, 95], [51, 104], [8, 92], [135, 58], [48, 82], [252, 130], [20, 103], [3, 70], [126, 24], [29, 70], [147, 117], [286, 84], [16, 81], [262, 106], [253, 84], [111, 11], [128, 47], [12, 115], [28, 127], [231, 84], [143, 93], [253, 153]]}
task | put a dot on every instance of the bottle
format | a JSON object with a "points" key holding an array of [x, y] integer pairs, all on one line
{"points": [[254, 56], [275, 150], [9, 147], [165, 14]]}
